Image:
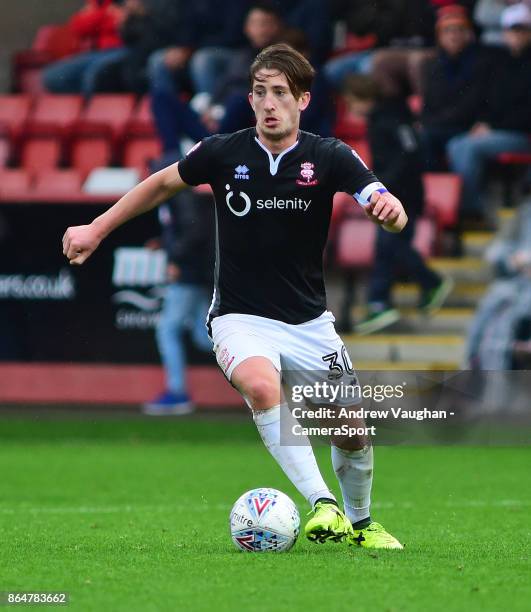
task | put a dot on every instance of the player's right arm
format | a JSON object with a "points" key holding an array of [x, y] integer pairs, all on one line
{"points": [[81, 241]]}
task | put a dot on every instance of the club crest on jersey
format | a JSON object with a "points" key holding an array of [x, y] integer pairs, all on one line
{"points": [[241, 172], [307, 174]]}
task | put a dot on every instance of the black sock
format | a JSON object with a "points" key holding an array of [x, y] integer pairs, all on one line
{"points": [[362, 524], [326, 500]]}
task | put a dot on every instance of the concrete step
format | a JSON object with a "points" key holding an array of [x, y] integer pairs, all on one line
{"points": [[403, 347], [475, 243], [462, 269], [365, 365], [445, 321], [464, 295]]}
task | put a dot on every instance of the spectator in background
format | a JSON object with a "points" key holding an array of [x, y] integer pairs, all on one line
{"points": [[312, 17], [397, 162], [397, 67], [203, 48], [175, 118], [229, 109], [499, 333], [369, 25], [97, 27], [487, 16], [453, 85], [187, 237], [504, 117], [148, 25]]}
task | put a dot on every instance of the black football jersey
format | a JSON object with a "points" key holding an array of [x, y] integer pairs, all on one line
{"points": [[272, 219]]}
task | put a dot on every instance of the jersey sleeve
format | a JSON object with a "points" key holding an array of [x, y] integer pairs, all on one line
{"points": [[351, 175], [198, 166]]}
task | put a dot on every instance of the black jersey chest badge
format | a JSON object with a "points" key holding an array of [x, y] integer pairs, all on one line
{"points": [[307, 172]]}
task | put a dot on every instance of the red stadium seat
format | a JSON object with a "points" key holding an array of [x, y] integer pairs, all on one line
{"points": [[139, 151], [141, 122], [54, 114], [348, 126], [89, 153], [355, 243], [514, 158], [41, 153], [14, 183], [106, 114], [425, 236], [51, 43], [362, 148], [14, 111], [58, 182], [55, 41], [5, 152], [514, 168], [442, 195]]}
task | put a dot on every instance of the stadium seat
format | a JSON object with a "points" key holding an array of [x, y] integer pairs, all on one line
{"points": [[89, 153], [514, 170], [425, 236], [14, 183], [14, 111], [355, 243], [58, 182], [54, 114], [55, 41], [5, 152], [362, 148], [442, 195], [348, 126], [106, 114], [141, 122], [139, 151], [40, 153]]}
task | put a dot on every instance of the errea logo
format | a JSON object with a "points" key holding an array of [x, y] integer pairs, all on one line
{"points": [[242, 172]]}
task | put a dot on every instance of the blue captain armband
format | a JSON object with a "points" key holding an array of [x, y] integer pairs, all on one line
{"points": [[364, 196]]}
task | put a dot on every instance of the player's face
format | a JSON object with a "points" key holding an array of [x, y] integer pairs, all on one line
{"points": [[277, 110]]}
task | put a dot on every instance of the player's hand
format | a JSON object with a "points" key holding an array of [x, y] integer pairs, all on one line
{"points": [[79, 243], [385, 209]]}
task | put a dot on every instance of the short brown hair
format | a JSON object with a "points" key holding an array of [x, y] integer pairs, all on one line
{"points": [[298, 70]]}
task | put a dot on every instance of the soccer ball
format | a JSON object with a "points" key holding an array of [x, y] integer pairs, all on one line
{"points": [[264, 520]]}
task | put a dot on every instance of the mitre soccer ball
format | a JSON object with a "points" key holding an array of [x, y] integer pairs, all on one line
{"points": [[264, 520]]}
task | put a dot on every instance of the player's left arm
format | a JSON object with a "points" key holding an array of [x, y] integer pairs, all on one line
{"points": [[386, 210]]}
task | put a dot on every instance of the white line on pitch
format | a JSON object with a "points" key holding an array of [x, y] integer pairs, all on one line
{"points": [[168, 508]]}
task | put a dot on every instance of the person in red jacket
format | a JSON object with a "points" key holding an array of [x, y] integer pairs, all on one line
{"points": [[96, 26]]}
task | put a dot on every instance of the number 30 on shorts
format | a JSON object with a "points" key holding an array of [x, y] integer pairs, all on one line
{"points": [[338, 368]]}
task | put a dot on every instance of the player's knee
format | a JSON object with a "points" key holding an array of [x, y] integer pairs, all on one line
{"points": [[262, 393]]}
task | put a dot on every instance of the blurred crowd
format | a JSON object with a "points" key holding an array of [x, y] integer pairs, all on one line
{"points": [[439, 85], [467, 65]]}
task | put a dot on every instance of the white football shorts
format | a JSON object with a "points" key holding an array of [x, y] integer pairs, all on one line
{"points": [[305, 353]]}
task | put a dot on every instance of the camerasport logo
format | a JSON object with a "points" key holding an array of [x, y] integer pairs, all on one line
{"points": [[38, 286], [139, 268], [307, 172]]}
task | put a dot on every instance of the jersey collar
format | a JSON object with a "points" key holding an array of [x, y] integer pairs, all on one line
{"points": [[274, 163]]}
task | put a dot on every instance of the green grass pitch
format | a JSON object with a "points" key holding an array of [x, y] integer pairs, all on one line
{"points": [[133, 515]]}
